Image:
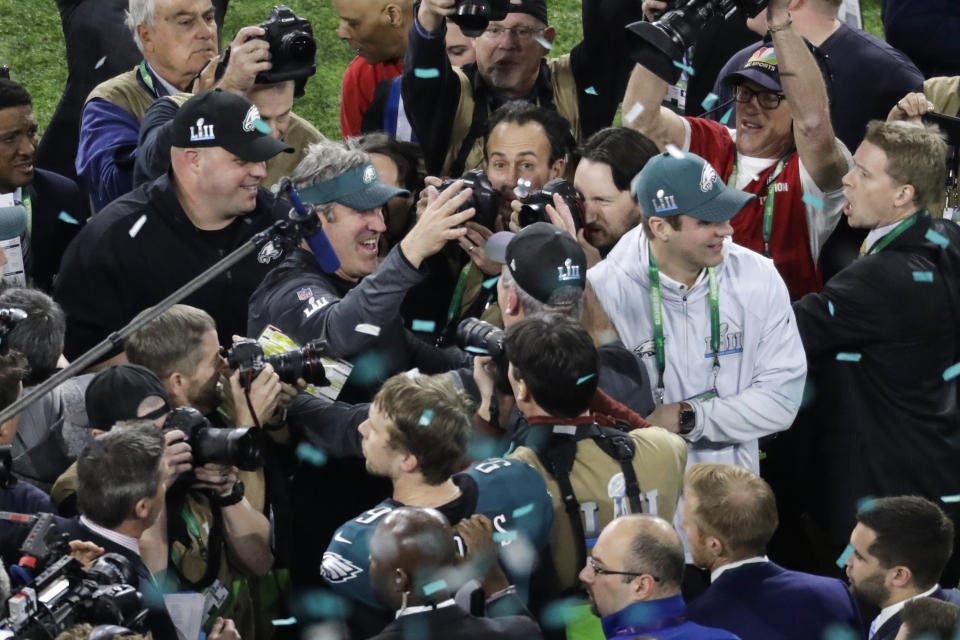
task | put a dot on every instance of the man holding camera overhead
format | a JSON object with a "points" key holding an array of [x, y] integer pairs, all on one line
{"points": [[782, 149], [448, 107]]}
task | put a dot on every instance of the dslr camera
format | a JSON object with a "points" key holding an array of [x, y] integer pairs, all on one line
{"points": [[240, 447], [533, 206], [482, 338], [657, 45], [248, 358], [485, 199], [292, 49], [473, 16]]}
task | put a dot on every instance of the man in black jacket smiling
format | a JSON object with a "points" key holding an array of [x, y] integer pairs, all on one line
{"points": [[883, 338]]}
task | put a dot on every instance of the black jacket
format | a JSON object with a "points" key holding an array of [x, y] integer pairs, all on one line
{"points": [[107, 277], [454, 622], [307, 304], [883, 420], [51, 196]]}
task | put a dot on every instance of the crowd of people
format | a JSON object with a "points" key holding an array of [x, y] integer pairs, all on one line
{"points": [[489, 366]]}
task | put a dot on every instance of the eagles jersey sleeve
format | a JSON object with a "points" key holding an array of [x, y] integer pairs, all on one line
{"points": [[346, 561]]}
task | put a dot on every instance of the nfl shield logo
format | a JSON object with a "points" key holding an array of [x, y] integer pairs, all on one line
{"points": [[305, 293]]}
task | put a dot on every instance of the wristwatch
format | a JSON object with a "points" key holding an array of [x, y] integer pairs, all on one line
{"points": [[233, 497], [688, 419]]}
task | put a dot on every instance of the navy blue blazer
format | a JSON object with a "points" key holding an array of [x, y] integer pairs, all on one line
{"points": [[890, 628], [52, 194], [764, 601]]}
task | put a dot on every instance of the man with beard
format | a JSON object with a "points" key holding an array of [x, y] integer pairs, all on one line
{"points": [[633, 577], [897, 551]]}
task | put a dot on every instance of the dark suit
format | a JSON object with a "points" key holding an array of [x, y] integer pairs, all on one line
{"points": [[158, 618], [764, 601], [50, 194], [454, 622], [889, 629]]}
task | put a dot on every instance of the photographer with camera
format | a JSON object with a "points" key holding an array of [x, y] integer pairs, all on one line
{"points": [[783, 148], [448, 109], [157, 238]]}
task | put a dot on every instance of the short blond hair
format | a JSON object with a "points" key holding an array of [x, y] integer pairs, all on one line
{"points": [[916, 155]]}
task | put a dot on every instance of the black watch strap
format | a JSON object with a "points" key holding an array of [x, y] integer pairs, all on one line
{"points": [[233, 497]]}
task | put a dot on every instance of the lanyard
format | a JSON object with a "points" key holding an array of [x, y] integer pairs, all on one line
{"points": [[458, 292], [656, 312], [895, 233], [768, 205], [147, 79]]}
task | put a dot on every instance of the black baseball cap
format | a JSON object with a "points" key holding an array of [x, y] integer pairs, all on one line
{"points": [[223, 119], [535, 8], [542, 259], [115, 393]]}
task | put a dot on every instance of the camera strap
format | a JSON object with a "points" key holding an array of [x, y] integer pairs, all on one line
{"points": [[185, 527], [771, 194]]}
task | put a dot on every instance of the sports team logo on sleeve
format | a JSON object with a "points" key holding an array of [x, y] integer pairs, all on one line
{"points": [[305, 293], [336, 569]]}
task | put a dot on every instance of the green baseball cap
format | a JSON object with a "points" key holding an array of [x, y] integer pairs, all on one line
{"points": [[358, 188]]}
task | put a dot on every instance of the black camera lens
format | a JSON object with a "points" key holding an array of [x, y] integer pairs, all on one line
{"points": [[481, 337], [299, 47], [485, 199], [236, 447], [533, 206]]}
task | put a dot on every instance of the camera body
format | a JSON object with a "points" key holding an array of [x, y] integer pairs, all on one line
{"points": [[292, 47], [473, 16], [534, 205], [248, 358], [239, 447], [485, 199]]}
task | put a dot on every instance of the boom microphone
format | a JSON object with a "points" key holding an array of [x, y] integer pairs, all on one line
{"points": [[13, 222], [318, 242]]}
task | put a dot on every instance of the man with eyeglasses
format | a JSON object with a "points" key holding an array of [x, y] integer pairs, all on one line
{"points": [[448, 107], [633, 578], [782, 149]]}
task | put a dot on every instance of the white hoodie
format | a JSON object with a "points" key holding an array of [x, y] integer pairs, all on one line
{"points": [[762, 362]]}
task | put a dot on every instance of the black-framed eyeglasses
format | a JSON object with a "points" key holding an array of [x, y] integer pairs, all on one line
{"points": [[768, 100], [600, 571], [522, 33]]}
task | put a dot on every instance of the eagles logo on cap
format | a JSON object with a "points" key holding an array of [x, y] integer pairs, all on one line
{"points": [[369, 174], [707, 178], [250, 120]]}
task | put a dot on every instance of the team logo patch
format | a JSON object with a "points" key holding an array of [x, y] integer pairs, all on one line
{"points": [[646, 349], [250, 120], [568, 271], [336, 569], [304, 293], [200, 131], [764, 57], [369, 174], [269, 253], [707, 178]]}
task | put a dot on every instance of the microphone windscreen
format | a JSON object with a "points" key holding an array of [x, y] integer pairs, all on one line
{"points": [[323, 251], [13, 222]]}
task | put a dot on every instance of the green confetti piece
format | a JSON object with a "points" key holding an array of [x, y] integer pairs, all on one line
{"points": [[591, 91], [838, 631], [426, 418], [310, 454], [585, 378], [489, 284], [557, 614], [683, 67], [262, 126], [519, 512], [284, 622], [950, 499], [543, 43], [66, 217], [866, 503], [848, 357], [726, 117], [477, 350], [936, 238], [319, 605], [952, 372], [830, 308], [501, 536], [427, 326], [842, 560], [433, 587], [813, 201], [709, 101], [923, 276], [426, 73]]}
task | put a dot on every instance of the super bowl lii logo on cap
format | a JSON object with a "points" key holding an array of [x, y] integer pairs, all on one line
{"points": [[568, 271], [201, 132], [663, 203], [369, 174]]}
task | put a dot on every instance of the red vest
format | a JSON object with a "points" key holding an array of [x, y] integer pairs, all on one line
{"points": [[790, 237]]}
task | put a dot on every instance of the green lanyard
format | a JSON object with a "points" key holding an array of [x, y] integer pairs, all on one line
{"points": [[656, 313], [458, 292], [147, 80], [895, 232], [768, 205]]}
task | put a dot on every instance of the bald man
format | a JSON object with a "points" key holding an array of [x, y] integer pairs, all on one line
{"points": [[633, 577], [377, 31], [412, 554]]}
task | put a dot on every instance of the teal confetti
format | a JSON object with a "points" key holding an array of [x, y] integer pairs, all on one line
{"points": [[709, 101], [830, 308], [813, 201], [585, 378], [866, 503], [519, 512], [842, 560], [683, 67], [950, 499], [319, 605], [936, 238], [426, 326], [952, 372], [923, 276], [66, 217], [284, 622], [543, 43], [591, 91], [426, 418], [848, 357], [426, 73], [559, 613], [477, 350], [310, 454], [726, 117], [489, 284], [433, 587], [504, 536], [840, 632], [262, 126]]}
